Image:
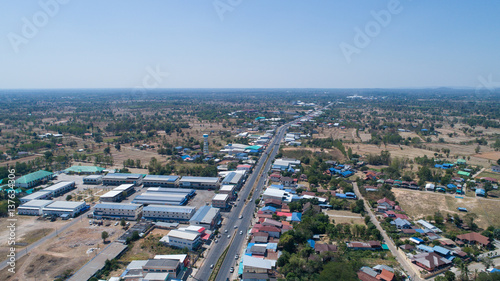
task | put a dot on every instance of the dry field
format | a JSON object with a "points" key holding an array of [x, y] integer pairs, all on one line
{"points": [[65, 252], [395, 150], [345, 217], [336, 154], [337, 133], [419, 204]]}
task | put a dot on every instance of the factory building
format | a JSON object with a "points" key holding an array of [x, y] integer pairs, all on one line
{"points": [[118, 193], [93, 179], [160, 181], [39, 195], [229, 190], [200, 182], [234, 178], [161, 198], [33, 207], [60, 188], [117, 211], [182, 239], [168, 213], [33, 179], [64, 209], [206, 217], [119, 178], [189, 192], [220, 201]]}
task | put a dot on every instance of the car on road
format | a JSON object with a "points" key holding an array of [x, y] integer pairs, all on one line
{"points": [[229, 236], [236, 257], [231, 270], [216, 241], [235, 226], [241, 232], [225, 231], [241, 217], [211, 266]]}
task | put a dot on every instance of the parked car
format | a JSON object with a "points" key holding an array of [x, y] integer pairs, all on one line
{"points": [[231, 270], [236, 257]]}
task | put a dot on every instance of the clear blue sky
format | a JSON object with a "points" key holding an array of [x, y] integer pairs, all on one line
{"points": [[257, 44]]}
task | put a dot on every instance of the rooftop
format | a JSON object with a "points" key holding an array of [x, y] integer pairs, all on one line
{"points": [[33, 176], [84, 169], [161, 177], [118, 206], [36, 203], [221, 197], [200, 179], [171, 209], [65, 205]]}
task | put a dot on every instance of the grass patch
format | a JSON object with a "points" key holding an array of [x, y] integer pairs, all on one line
{"points": [[35, 235], [489, 174]]}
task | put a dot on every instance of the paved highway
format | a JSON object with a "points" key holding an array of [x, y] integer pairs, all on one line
{"points": [[245, 208]]}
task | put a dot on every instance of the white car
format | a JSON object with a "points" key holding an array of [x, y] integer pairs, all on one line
{"points": [[235, 226], [241, 232], [225, 231], [229, 236], [241, 217]]}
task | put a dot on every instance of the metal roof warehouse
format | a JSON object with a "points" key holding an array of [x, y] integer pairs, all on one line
{"points": [[161, 198]]}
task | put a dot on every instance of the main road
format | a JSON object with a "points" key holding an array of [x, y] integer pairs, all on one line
{"points": [[397, 254], [246, 209]]}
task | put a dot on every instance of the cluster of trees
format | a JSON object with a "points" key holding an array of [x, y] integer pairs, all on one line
{"points": [[132, 164], [383, 159]]}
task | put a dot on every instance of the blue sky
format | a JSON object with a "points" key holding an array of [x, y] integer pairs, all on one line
{"points": [[248, 44]]}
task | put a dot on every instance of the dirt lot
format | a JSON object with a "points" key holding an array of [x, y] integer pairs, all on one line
{"points": [[66, 252], [419, 204], [290, 152], [345, 217], [492, 155], [395, 150]]}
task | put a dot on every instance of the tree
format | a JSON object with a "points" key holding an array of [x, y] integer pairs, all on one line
{"points": [[498, 161], [69, 197], [104, 236], [107, 150], [122, 222], [118, 147]]}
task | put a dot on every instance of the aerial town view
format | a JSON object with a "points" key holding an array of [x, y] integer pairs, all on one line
{"points": [[249, 140]]}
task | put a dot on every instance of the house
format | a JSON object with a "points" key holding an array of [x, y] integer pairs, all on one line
{"points": [[272, 203], [386, 275], [271, 222], [495, 169], [172, 267], [474, 238], [321, 248], [384, 205], [257, 265], [407, 247], [271, 230], [367, 274], [260, 237], [480, 192], [401, 223], [287, 181], [430, 187], [182, 239], [429, 226], [275, 177], [430, 261], [371, 245]]}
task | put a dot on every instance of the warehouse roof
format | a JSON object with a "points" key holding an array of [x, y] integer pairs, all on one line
{"points": [[118, 206], [222, 197], [84, 169], [111, 194], [36, 203], [33, 176], [171, 190], [172, 209], [227, 187], [93, 177], [188, 235], [36, 195], [123, 187], [64, 205], [122, 175], [200, 179], [204, 215], [161, 177], [58, 185]]}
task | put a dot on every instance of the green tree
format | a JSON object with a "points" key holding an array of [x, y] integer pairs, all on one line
{"points": [[69, 197], [107, 150], [122, 222], [118, 147], [104, 236]]}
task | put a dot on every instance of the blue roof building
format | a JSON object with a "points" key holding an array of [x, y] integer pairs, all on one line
{"points": [[441, 250], [311, 243], [297, 217], [480, 192], [425, 248], [269, 208]]}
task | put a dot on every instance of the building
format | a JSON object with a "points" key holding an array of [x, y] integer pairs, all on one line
{"points": [[200, 182], [229, 190], [273, 193], [60, 188], [182, 239], [185, 191], [370, 245], [220, 201], [33, 179], [117, 211], [64, 208], [257, 265], [385, 204], [39, 195], [206, 217], [33, 207], [171, 266], [430, 261], [233, 178], [118, 193], [161, 198], [205, 144], [495, 169], [474, 238], [160, 181], [119, 178], [168, 213], [93, 179], [88, 170], [429, 226]]}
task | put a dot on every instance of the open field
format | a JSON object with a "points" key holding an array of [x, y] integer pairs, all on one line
{"points": [[295, 152], [345, 217], [64, 253], [419, 204], [489, 174]]}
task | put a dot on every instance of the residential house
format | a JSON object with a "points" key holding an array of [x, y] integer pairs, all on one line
{"points": [[384, 205], [430, 261], [474, 238]]}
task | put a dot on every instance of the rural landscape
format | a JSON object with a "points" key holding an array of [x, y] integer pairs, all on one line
{"points": [[251, 185]]}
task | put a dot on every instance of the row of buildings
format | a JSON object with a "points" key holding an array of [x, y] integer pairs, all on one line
{"points": [[63, 209], [49, 192]]}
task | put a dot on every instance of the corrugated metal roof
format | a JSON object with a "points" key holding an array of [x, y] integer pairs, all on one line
{"points": [[38, 175]]}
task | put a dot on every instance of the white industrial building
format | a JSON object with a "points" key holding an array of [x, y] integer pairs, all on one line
{"points": [[234, 178], [64, 209], [229, 190], [185, 191], [220, 201], [60, 188], [182, 239], [117, 211], [160, 181], [118, 193], [120, 178], [274, 193], [206, 217], [161, 198], [33, 207], [39, 195], [168, 213], [200, 182], [93, 179]]}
